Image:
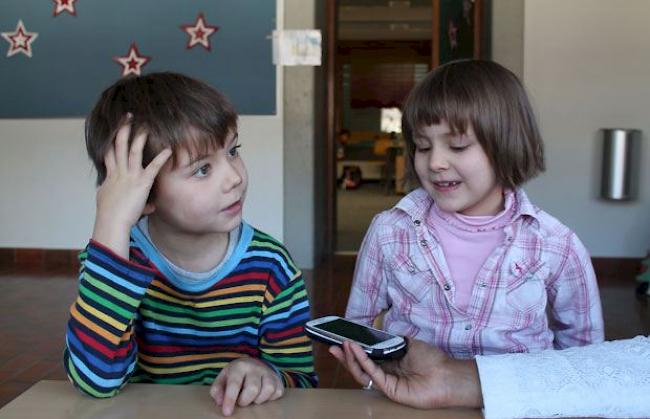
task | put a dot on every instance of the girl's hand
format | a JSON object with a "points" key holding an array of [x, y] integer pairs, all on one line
{"points": [[245, 381], [122, 197]]}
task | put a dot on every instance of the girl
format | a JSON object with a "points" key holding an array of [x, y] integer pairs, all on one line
{"points": [[466, 262]]}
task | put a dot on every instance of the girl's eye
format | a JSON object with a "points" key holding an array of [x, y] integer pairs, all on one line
{"points": [[234, 152], [458, 148], [202, 171], [422, 149]]}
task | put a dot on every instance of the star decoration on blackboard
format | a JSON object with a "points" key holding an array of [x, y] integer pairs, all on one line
{"points": [[20, 41], [133, 62], [61, 6], [199, 32]]}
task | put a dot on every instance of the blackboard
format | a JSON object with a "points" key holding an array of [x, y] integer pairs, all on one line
{"points": [[73, 55]]}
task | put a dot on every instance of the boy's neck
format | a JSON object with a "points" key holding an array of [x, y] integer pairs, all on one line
{"points": [[192, 252]]}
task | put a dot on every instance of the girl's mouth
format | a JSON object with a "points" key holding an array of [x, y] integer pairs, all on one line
{"points": [[446, 186]]}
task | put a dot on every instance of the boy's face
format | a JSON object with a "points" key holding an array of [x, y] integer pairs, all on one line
{"points": [[204, 195], [456, 172]]}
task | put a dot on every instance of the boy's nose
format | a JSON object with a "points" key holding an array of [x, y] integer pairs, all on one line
{"points": [[232, 177]]}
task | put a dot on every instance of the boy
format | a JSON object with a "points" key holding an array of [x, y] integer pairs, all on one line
{"points": [[174, 286]]}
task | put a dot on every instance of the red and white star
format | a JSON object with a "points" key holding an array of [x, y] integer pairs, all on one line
{"points": [[133, 62], [20, 40], [199, 32], [61, 6]]}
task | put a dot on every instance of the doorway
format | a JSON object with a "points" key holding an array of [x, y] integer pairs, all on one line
{"points": [[376, 51]]}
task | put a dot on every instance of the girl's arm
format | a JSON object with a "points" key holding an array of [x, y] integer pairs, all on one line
{"points": [[370, 283], [100, 351], [576, 313]]}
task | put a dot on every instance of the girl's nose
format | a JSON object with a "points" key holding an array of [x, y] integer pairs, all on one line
{"points": [[438, 161]]}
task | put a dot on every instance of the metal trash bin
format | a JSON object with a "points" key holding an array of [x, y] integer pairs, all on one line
{"points": [[621, 158]]}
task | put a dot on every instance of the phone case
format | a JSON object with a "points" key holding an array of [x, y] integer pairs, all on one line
{"points": [[376, 355]]}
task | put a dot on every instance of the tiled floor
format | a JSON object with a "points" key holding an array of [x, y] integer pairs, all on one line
{"points": [[33, 313], [355, 209]]}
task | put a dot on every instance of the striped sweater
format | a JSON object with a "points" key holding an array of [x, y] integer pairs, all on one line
{"points": [[134, 321]]}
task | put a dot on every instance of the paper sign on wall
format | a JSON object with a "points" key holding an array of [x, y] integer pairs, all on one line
{"points": [[297, 47]]}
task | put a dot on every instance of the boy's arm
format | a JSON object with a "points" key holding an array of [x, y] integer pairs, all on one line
{"points": [[369, 286], [100, 352], [283, 344], [576, 313]]}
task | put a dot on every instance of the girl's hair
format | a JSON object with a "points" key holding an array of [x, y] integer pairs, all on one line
{"points": [[175, 110], [493, 101]]}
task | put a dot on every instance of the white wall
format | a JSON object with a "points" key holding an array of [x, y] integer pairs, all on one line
{"points": [[47, 195], [46, 185], [299, 197], [508, 34], [587, 66]]}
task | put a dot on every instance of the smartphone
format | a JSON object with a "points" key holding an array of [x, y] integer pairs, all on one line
{"points": [[334, 330]]}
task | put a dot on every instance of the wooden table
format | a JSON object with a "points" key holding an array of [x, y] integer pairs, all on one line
{"points": [[58, 400]]}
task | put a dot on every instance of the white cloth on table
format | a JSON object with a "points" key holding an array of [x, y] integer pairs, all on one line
{"points": [[609, 380]]}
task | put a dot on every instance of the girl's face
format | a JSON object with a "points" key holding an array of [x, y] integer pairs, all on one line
{"points": [[456, 172]]}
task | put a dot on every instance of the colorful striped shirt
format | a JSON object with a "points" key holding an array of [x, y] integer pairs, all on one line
{"points": [[536, 290], [134, 321]]}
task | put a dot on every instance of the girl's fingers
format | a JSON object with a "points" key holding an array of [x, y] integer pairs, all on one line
{"points": [[109, 161], [122, 146], [135, 152], [156, 164]]}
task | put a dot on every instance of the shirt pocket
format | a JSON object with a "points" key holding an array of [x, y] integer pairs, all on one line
{"points": [[526, 287], [411, 283]]}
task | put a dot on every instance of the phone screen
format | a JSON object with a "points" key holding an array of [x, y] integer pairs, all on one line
{"points": [[355, 332]]}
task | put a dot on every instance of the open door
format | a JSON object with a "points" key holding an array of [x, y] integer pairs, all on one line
{"points": [[384, 47]]}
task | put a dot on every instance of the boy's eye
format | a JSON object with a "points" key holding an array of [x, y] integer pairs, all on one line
{"points": [[234, 152], [202, 171]]}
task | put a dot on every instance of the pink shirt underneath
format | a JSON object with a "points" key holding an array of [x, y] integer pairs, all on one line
{"points": [[467, 242]]}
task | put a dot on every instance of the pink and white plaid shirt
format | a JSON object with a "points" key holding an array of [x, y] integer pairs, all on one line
{"points": [[536, 291]]}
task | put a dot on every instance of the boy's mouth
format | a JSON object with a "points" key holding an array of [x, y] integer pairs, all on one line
{"points": [[234, 207]]}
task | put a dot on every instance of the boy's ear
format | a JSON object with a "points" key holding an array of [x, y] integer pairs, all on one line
{"points": [[149, 208]]}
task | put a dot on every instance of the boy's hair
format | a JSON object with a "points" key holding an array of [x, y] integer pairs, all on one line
{"points": [[491, 99], [175, 110]]}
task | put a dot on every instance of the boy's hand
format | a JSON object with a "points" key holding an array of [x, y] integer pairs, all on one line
{"points": [[122, 196], [245, 381]]}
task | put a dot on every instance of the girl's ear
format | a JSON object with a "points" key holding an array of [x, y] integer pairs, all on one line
{"points": [[149, 208]]}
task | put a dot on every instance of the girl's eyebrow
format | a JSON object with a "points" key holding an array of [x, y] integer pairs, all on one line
{"points": [[448, 134]]}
